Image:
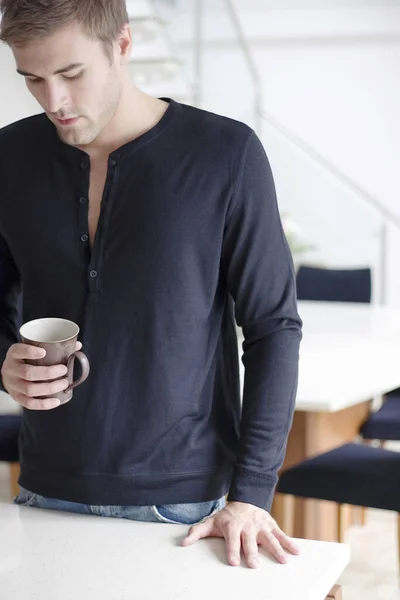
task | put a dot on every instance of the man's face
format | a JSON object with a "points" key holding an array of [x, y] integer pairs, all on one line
{"points": [[74, 81]]}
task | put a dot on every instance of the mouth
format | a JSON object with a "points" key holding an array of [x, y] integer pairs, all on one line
{"points": [[67, 122]]}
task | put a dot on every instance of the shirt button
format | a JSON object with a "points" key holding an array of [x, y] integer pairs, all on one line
{"points": [[82, 200], [93, 274], [84, 164], [84, 238], [113, 162]]}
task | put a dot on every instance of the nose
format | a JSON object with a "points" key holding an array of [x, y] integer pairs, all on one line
{"points": [[55, 96]]}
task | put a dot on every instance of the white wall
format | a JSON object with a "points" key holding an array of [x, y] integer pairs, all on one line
{"points": [[15, 100], [343, 100]]}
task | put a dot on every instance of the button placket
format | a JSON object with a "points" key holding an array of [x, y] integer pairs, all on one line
{"points": [[83, 209], [97, 253]]}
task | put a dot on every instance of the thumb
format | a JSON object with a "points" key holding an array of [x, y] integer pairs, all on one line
{"points": [[197, 532]]}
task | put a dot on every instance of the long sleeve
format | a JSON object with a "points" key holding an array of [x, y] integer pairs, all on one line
{"points": [[260, 277], [10, 288]]}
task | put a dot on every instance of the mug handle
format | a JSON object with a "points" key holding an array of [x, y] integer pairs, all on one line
{"points": [[84, 362]]}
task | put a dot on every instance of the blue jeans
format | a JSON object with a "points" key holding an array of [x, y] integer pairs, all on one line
{"points": [[178, 514]]}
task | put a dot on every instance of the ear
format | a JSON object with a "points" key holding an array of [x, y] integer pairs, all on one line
{"points": [[124, 43]]}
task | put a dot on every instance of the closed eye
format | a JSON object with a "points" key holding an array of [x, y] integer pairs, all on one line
{"points": [[68, 77], [71, 78]]}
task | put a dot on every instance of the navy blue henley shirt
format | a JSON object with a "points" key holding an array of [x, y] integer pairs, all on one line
{"points": [[189, 240]]}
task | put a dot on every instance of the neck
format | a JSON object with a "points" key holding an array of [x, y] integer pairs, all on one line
{"points": [[137, 113]]}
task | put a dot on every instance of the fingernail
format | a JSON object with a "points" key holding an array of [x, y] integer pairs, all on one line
{"points": [[254, 563], [234, 560]]}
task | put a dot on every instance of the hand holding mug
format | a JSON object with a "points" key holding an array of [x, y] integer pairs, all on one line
{"points": [[38, 374]]}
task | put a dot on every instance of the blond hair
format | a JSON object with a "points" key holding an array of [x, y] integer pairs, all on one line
{"points": [[24, 21]]}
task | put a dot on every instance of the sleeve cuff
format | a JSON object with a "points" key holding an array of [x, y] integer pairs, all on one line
{"points": [[251, 488]]}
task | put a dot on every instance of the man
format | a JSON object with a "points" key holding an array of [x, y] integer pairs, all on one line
{"points": [[150, 224]]}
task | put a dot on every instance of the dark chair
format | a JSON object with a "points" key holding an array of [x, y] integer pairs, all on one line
{"points": [[334, 285], [10, 426], [354, 474], [384, 424]]}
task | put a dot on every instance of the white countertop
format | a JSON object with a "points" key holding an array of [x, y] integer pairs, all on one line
{"points": [[349, 353], [49, 555]]}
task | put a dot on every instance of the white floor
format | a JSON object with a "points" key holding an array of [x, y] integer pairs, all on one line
{"points": [[372, 573]]}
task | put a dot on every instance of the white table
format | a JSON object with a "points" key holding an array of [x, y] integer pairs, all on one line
{"points": [[59, 556], [349, 354]]}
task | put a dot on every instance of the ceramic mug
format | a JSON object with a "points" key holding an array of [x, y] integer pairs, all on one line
{"points": [[58, 337]]}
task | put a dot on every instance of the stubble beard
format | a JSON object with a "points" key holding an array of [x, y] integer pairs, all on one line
{"points": [[87, 134]]}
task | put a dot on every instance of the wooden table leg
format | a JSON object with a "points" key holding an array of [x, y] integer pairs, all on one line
{"points": [[335, 593], [311, 434]]}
